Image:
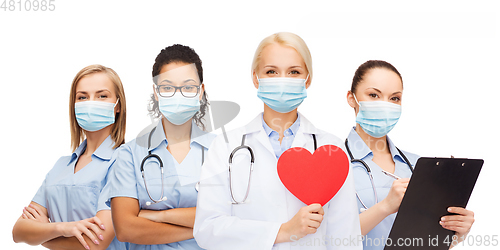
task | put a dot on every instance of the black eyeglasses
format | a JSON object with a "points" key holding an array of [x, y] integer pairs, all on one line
{"points": [[188, 91]]}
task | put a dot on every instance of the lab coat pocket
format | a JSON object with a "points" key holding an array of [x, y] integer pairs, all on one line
{"points": [[243, 211]]}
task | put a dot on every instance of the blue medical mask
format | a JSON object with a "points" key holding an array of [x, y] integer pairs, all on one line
{"points": [[178, 109], [95, 115], [377, 118], [282, 94]]}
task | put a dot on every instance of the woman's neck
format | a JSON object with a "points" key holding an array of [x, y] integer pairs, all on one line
{"points": [[95, 139], [176, 133], [277, 121], [377, 145]]}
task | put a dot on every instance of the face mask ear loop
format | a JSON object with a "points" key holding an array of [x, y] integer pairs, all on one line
{"points": [[355, 99], [116, 103], [305, 81]]}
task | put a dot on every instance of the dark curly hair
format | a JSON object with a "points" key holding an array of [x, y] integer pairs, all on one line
{"points": [[178, 53]]}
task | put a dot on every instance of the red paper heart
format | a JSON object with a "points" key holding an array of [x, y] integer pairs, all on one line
{"points": [[313, 178]]}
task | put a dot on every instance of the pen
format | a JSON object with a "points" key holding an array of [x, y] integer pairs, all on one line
{"points": [[391, 175]]}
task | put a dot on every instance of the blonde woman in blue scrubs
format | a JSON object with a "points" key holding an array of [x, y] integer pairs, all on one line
{"points": [[69, 210], [156, 210], [376, 94]]}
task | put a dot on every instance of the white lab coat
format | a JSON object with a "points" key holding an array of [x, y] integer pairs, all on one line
{"points": [[255, 224]]}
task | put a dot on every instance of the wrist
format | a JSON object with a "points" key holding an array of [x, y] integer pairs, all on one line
{"points": [[58, 228], [283, 234], [385, 208], [164, 216]]}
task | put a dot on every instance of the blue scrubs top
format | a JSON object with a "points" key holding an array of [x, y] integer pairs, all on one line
{"points": [[70, 196], [376, 238], [179, 178]]}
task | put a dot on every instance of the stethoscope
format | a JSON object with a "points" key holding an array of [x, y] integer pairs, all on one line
{"points": [[252, 160], [150, 155], [369, 171]]}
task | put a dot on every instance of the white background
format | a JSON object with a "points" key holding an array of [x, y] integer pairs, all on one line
{"points": [[447, 53]]}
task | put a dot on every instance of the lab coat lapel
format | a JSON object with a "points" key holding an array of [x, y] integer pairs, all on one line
{"points": [[266, 166], [263, 139], [299, 140], [256, 130], [303, 137]]}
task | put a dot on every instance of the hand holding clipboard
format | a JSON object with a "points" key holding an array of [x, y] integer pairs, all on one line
{"points": [[436, 185]]}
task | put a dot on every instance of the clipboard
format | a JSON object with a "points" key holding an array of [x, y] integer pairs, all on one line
{"points": [[436, 184]]}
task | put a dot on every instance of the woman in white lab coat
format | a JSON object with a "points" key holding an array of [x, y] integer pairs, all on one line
{"points": [[268, 216]]}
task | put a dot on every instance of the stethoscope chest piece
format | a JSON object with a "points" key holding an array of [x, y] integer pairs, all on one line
{"points": [[149, 203]]}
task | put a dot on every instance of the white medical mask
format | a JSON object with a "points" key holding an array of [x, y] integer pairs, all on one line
{"points": [[282, 94], [95, 115], [377, 118], [178, 109]]}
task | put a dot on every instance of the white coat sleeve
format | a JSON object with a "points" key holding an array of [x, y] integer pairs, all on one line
{"points": [[214, 227], [343, 219]]}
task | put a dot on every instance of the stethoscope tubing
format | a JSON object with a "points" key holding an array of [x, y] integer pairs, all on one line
{"points": [[150, 155], [369, 171], [252, 160]]}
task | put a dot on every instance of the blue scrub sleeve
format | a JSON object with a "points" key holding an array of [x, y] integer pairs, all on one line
{"points": [[104, 196], [40, 195], [102, 203], [122, 179]]}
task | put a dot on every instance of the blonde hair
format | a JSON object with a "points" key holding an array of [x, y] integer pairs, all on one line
{"points": [[118, 129], [285, 39]]}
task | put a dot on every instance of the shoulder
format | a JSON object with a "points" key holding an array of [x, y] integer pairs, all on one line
{"points": [[62, 162], [139, 143], [124, 156], [413, 158], [219, 141], [329, 138], [322, 136], [206, 139], [210, 137], [325, 138]]}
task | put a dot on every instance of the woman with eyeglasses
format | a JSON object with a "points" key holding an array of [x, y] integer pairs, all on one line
{"points": [[238, 209], [153, 193], [376, 96], [69, 209]]}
